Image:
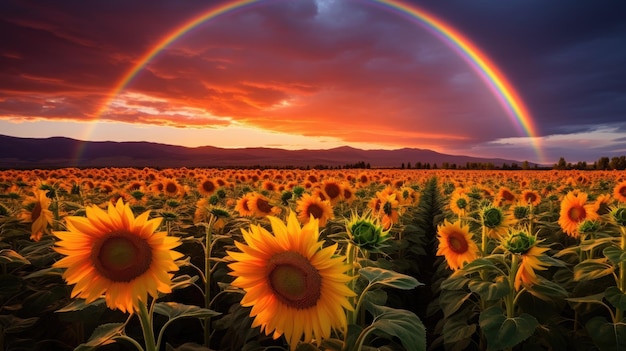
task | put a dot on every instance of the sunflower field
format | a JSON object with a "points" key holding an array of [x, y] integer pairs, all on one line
{"points": [[356, 259]]}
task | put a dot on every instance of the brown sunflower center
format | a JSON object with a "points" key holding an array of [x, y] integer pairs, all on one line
{"points": [[530, 197], [121, 256], [315, 210], [622, 191], [294, 280], [508, 196], [36, 212], [171, 188], [208, 186], [576, 213], [332, 190], [457, 242], [263, 205]]}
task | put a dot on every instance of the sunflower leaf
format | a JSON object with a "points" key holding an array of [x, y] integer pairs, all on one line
{"points": [[504, 332], [489, 290], [389, 278], [102, 335], [606, 335], [614, 254], [10, 256], [616, 297], [174, 310], [403, 324], [592, 269]]}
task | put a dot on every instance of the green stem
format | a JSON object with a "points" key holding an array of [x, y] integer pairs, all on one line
{"points": [[350, 257], [510, 299], [207, 280], [145, 318], [622, 276], [483, 243]]}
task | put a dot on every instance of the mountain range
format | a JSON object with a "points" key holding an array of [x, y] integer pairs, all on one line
{"points": [[54, 152]]}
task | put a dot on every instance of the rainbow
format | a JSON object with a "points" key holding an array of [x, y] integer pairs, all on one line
{"points": [[480, 63]]}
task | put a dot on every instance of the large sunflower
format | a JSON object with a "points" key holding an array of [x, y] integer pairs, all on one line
{"points": [[308, 206], [294, 286], [36, 211], [574, 209], [456, 244], [115, 254]]}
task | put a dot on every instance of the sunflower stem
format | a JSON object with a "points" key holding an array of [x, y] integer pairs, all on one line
{"points": [[511, 297], [350, 257], [207, 279], [145, 318], [619, 314]]}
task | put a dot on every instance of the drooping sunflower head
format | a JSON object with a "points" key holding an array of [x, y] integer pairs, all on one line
{"points": [[618, 216], [115, 254], [619, 192], [456, 244], [366, 232], [519, 241], [37, 212], [295, 287]]}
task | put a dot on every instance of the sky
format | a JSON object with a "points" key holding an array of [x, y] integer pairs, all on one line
{"points": [[318, 74]]}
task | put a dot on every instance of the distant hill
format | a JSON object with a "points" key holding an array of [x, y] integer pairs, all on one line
{"points": [[65, 152]]}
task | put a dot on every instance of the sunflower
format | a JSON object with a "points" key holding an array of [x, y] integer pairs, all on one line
{"points": [[496, 221], [332, 190], [619, 192], [530, 197], [207, 186], [115, 254], [312, 206], [505, 196], [243, 205], [294, 286], [36, 211], [459, 203], [530, 263], [456, 244], [574, 209], [261, 207]]}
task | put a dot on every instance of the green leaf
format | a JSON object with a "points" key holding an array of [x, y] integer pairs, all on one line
{"points": [[454, 283], [547, 290], [614, 254], [403, 324], [616, 297], [595, 298], [183, 281], [503, 332], [10, 256], [12, 324], [451, 300], [102, 335], [174, 310], [457, 329], [389, 278], [51, 271], [79, 305], [488, 290], [477, 265], [605, 335], [592, 268]]}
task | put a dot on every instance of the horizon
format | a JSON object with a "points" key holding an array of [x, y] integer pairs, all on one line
{"points": [[277, 74]]}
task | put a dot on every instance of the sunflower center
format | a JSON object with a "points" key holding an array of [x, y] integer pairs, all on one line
{"points": [[263, 205], [457, 242], [622, 191], [208, 186], [294, 280], [315, 210], [333, 190], [530, 197], [508, 196], [576, 213], [121, 256], [36, 212], [387, 208], [461, 203], [171, 188]]}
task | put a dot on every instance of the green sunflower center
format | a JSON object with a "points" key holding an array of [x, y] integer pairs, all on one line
{"points": [[457, 242], [294, 280], [461, 203], [121, 256]]}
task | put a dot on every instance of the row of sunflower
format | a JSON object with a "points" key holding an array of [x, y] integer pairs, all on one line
{"points": [[290, 259]]}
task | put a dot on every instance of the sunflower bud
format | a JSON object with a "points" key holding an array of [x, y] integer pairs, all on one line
{"points": [[461, 203], [367, 233], [492, 217], [519, 242], [619, 216], [588, 226], [520, 212]]}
